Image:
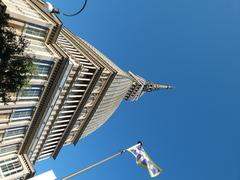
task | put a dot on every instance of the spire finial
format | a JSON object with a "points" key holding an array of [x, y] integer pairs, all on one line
{"points": [[150, 86]]}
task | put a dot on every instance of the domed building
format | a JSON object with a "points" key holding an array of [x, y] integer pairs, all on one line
{"points": [[75, 91]]}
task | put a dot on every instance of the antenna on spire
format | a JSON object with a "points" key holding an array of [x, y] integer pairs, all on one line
{"points": [[150, 86]]}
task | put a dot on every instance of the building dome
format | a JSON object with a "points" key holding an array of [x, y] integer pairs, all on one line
{"points": [[112, 99]]}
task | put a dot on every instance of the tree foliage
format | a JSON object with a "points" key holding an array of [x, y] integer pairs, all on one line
{"points": [[16, 68]]}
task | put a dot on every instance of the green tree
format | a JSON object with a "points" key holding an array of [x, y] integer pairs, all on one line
{"points": [[16, 68]]}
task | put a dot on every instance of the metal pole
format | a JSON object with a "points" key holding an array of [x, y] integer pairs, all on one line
{"points": [[97, 163], [94, 165]]}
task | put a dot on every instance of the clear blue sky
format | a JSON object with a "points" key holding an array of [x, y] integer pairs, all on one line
{"points": [[192, 132]]}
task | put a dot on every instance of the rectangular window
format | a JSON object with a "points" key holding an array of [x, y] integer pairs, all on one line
{"points": [[36, 36], [43, 69], [35, 32], [10, 166], [15, 132], [8, 149], [22, 113], [30, 30], [30, 93]]}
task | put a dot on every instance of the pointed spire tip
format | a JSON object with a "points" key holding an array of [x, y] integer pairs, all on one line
{"points": [[171, 87]]}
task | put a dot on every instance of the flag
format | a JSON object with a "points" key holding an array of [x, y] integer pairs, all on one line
{"points": [[142, 159]]}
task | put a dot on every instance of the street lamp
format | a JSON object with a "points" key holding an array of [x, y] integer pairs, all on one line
{"points": [[48, 7], [51, 9]]}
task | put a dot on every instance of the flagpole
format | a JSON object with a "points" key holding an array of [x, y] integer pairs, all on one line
{"points": [[93, 165], [96, 164]]}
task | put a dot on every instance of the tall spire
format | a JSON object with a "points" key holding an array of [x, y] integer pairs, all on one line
{"points": [[140, 86]]}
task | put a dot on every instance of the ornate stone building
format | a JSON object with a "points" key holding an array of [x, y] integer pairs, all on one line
{"points": [[76, 89]]}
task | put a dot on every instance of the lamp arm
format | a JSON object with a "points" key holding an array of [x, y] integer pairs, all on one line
{"points": [[84, 5]]}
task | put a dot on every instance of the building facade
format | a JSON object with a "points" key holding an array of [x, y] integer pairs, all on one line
{"points": [[74, 91]]}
